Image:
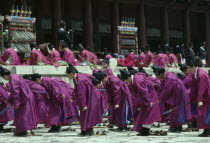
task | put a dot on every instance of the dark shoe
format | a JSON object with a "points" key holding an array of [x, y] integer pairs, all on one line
{"points": [[205, 133], [104, 133], [52, 129], [194, 125], [110, 125], [145, 131], [83, 133], [176, 129], [58, 128], [179, 129], [120, 129], [97, 133], [21, 134], [90, 132], [1, 128], [163, 133]]}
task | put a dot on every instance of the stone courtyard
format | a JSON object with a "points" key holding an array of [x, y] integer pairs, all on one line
{"points": [[42, 136]]}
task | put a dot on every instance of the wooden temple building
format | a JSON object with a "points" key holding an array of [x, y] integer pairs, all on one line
{"points": [[94, 22]]}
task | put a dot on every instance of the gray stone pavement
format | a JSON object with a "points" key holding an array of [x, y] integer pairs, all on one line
{"points": [[42, 136]]}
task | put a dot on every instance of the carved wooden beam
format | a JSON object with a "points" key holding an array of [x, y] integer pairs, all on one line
{"points": [[168, 2], [193, 3]]}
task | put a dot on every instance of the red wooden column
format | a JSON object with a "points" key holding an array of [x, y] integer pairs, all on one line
{"points": [[141, 26], [115, 22], [165, 27], [88, 24], [56, 18], [207, 36], [187, 38]]}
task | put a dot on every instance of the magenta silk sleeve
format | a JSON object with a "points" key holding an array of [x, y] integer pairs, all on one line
{"points": [[82, 91], [15, 93], [202, 88]]}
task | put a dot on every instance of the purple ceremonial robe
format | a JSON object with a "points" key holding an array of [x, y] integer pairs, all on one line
{"points": [[200, 92], [166, 58], [59, 108], [108, 71], [94, 59], [144, 94], [7, 115], [160, 60], [87, 96], [119, 94], [37, 55], [188, 81], [155, 82], [24, 106], [68, 57], [102, 99], [140, 59], [55, 55], [148, 59], [128, 61], [108, 56], [41, 99], [173, 93], [10, 53], [172, 59], [85, 54], [69, 108]]}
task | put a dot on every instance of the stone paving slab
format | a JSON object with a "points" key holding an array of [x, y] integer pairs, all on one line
{"points": [[111, 137]]}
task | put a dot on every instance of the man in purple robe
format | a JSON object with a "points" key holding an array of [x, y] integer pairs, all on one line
{"points": [[120, 100], [140, 58], [54, 55], [60, 107], [68, 55], [85, 54], [41, 99], [173, 61], [160, 60], [149, 59], [23, 100], [145, 101], [87, 99], [173, 93], [129, 60], [10, 56], [187, 80], [105, 67], [37, 58], [200, 94], [7, 115], [94, 59], [103, 101]]}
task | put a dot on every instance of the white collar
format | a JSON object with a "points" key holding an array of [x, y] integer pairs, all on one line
{"points": [[202, 48], [34, 49], [102, 84], [196, 73], [76, 78], [132, 79]]}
